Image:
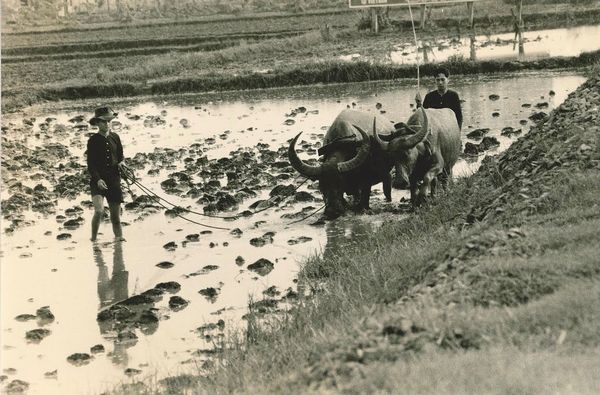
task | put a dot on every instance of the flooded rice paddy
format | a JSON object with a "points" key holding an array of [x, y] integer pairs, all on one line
{"points": [[62, 329], [535, 44]]}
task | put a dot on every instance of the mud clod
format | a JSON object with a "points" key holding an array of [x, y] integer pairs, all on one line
{"points": [[98, 348], [177, 303], [170, 246], [25, 317], [170, 286], [262, 266], [210, 293], [44, 315], [37, 335], [165, 265], [79, 359], [17, 387]]}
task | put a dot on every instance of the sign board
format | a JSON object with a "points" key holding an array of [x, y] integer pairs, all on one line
{"points": [[391, 3]]}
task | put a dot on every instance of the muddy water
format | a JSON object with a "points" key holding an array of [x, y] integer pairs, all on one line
{"points": [[77, 278], [536, 44]]}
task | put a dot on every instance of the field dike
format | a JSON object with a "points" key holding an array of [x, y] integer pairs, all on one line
{"points": [[211, 42], [492, 288], [318, 73]]}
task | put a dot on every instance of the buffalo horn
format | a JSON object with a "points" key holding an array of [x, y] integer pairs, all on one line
{"points": [[312, 172], [409, 141], [360, 157], [383, 144]]}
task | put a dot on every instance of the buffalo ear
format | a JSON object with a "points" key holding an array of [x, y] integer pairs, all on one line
{"points": [[361, 156], [403, 129], [399, 126]]}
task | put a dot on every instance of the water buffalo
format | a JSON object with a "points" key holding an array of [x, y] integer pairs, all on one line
{"points": [[418, 167], [353, 161]]}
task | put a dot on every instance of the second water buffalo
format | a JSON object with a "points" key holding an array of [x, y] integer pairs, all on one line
{"points": [[419, 167], [355, 157]]}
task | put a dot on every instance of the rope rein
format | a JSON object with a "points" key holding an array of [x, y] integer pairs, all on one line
{"points": [[131, 179], [308, 216]]}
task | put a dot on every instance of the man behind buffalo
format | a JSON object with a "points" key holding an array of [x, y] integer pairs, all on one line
{"points": [[442, 97], [104, 162]]}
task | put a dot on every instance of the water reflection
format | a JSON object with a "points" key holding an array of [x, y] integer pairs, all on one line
{"points": [[345, 232], [518, 45], [518, 28], [111, 290], [114, 288]]}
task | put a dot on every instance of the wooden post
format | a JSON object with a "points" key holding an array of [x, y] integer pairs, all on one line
{"points": [[470, 11], [520, 22], [423, 16], [374, 24]]}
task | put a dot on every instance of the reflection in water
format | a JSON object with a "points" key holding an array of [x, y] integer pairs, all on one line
{"points": [[521, 46], [571, 41], [111, 290], [518, 28], [426, 49], [345, 232]]}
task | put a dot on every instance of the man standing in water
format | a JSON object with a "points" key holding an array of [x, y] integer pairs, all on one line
{"points": [[104, 161], [442, 97]]}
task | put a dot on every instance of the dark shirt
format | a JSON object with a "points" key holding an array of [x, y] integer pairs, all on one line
{"points": [[449, 100], [103, 156]]}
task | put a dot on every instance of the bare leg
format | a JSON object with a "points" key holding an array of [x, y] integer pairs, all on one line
{"points": [[115, 219], [97, 200]]}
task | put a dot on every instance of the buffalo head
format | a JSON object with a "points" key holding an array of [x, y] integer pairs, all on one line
{"points": [[402, 149], [336, 174]]}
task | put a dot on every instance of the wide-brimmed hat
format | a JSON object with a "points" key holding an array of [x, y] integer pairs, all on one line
{"points": [[103, 113]]}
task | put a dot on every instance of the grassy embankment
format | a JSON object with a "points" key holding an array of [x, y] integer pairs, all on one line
{"points": [[491, 288], [306, 59]]}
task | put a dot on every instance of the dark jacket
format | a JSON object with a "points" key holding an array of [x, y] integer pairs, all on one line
{"points": [[103, 156], [449, 100]]}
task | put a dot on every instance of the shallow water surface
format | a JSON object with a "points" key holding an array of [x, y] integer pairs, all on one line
{"points": [[77, 278], [536, 44]]}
